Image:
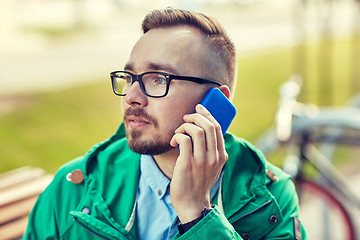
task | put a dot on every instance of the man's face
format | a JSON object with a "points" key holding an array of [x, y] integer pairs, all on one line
{"points": [[150, 123]]}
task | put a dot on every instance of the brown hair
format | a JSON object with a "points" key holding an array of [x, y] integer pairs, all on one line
{"points": [[218, 40]]}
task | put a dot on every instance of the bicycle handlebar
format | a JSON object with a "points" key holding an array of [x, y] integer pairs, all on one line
{"points": [[293, 117], [330, 117]]}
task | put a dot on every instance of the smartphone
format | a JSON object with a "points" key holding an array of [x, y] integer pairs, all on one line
{"points": [[220, 108]]}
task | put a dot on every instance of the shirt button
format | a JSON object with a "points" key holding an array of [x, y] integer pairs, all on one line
{"points": [[76, 176], [159, 192], [273, 219], [86, 210]]}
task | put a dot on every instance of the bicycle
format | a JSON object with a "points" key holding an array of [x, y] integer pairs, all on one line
{"points": [[310, 135]]}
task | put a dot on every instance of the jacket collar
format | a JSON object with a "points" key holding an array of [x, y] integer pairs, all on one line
{"points": [[100, 172], [93, 152]]}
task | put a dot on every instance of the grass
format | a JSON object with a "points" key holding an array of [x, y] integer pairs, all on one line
{"points": [[52, 128], [49, 129]]}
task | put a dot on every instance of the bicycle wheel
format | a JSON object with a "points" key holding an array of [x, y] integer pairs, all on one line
{"points": [[322, 214]]}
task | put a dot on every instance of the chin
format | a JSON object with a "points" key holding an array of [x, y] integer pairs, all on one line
{"points": [[154, 146], [149, 149]]}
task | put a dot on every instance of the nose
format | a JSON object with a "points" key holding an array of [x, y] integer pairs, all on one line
{"points": [[135, 96]]}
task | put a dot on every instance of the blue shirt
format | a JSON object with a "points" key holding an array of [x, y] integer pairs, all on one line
{"points": [[155, 214]]}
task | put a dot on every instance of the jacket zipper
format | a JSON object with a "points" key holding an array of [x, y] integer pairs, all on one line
{"points": [[89, 230]]}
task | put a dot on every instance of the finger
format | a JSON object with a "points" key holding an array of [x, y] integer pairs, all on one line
{"points": [[183, 142], [204, 112], [198, 137], [219, 136], [208, 127], [205, 120]]}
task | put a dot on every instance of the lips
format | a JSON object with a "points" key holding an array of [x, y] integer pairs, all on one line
{"points": [[138, 117], [136, 122]]}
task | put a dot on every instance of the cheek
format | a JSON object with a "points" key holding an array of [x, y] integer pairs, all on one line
{"points": [[185, 98], [123, 105], [171, 115]]}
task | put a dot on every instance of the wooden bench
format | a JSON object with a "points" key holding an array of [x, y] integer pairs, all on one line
{"points": [[19, 190]]}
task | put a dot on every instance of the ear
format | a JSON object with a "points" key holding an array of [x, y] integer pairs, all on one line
{"points": [[225, 90]]}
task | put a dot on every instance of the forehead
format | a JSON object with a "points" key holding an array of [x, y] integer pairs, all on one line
{"points": [[181, 49]]}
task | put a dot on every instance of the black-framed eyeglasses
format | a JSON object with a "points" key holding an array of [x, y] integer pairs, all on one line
{"points": [[152, 84]]}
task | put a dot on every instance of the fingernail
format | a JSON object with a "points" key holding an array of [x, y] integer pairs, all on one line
{"points": [[200, 107]]}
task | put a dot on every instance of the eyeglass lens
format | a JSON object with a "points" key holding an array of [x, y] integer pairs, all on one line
{"points": [[154, 84]]}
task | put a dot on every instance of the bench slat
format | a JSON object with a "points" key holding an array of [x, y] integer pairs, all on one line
{"points": [[13, 230], [17, 210], [25, 190], [19, 190], [18, 176]]}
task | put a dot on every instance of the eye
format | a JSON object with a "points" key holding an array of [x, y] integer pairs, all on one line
{"points": [[123, 77], [127, 78], [159, 80]]}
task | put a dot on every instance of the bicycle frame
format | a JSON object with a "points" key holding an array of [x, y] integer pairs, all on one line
{"points": [[331, 176], [304, 130]]}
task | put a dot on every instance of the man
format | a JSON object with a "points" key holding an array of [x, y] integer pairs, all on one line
{"points": [[163, 174]]}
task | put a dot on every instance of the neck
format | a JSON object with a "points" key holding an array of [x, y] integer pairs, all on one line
{"points": [[166, 162]]}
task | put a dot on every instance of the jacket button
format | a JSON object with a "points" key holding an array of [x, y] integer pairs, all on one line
{"points": [[273, 219], [76, 176], [246, 236], [86, 210]]}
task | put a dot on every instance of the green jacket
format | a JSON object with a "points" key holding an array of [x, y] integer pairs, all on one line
{"points": [[102, 205]]}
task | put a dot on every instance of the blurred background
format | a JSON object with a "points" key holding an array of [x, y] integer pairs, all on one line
{"points": [[56, 55]]}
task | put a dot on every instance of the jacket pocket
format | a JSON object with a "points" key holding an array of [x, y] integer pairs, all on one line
{"points": [[98, 228], [259, 222]]}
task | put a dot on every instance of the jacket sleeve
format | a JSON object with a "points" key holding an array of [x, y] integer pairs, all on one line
{"points": [[216, 226], [41, 223], [213, 226]]}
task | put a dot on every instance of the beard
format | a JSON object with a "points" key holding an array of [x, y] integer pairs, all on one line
{"points": [[157, 144]]}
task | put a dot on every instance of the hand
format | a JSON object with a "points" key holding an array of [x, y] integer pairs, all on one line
{"points": [[199, 164]]}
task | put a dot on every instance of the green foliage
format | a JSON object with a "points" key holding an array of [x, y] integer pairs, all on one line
{"points": [[330, 66], [259, 76], [55, 127]]}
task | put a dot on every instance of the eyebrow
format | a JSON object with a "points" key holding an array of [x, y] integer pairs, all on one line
{"points": [[129, 67], [154, 67], [162, 67]]}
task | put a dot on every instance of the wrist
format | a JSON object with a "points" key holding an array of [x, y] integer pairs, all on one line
{"points": [[188, 213], [184, 227]]}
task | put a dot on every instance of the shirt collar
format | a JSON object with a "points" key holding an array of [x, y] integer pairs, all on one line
{"points": [[158, 182]]}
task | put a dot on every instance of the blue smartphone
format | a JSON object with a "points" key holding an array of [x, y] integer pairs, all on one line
{"points": [[220, 108]]}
